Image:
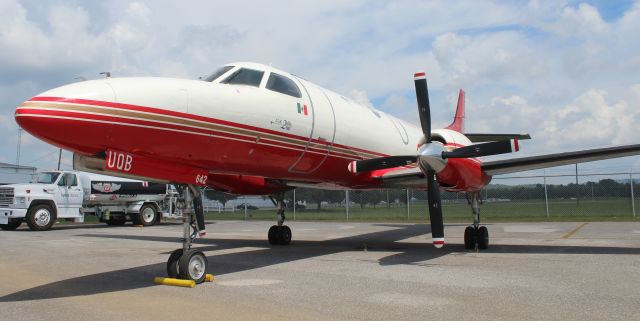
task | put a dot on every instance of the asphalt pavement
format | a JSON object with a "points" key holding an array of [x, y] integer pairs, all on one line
{"points": [[330, 271]]}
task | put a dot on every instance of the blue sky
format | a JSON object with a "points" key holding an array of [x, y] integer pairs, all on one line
{"points": [[568, 72]]}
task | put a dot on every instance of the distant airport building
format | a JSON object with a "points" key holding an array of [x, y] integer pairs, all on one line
{"points": [[10, 173]]}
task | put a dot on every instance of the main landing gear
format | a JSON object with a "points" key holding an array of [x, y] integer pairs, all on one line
{"points": [[476, 236], [279, 234], [187, 263]]}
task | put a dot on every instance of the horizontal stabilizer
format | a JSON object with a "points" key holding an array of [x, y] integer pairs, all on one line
{"points": [[478, 138], [551, 160]]}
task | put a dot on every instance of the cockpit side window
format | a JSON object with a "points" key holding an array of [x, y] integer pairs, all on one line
{"points": [[222, 70], [244, 76], [283, 85]]}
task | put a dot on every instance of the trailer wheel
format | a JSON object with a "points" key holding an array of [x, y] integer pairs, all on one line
{"points": [[116, 220], [11, 225], [147, 216], [40, 217]]}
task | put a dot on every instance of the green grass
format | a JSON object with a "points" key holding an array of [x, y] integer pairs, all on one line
{"points": [[559, 210]]}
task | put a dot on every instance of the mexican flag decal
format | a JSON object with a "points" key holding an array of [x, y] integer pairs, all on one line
{"points": [[302, 109]]}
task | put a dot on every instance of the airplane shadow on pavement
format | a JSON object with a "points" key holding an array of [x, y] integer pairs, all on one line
{"points": [[266, 255]]}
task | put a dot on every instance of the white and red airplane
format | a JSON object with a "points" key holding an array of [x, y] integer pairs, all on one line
{"points": [[252, 129]]}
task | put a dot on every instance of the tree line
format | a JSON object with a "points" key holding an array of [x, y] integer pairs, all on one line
{"points": [[375, 198]]}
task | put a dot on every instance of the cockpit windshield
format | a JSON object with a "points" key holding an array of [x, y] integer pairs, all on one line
{"points": [[244, 76], [47, 177], [221, 71]]}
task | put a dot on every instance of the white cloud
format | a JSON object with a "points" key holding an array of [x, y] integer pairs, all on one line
{"points": [[525, 67]]}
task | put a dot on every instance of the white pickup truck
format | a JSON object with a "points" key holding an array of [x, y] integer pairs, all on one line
{"points": [[71, 195]]}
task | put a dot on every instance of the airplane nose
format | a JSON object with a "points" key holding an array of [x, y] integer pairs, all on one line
{"points": [[63, 116]]}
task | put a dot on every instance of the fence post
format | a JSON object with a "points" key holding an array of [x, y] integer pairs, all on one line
{"points": [[245, 207], [346, 197], [408, 200], [577, 188], [294, 204], [546, 198], [633, 201]]}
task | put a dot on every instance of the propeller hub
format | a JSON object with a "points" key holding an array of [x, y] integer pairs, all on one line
{"points": [[430, 157]]}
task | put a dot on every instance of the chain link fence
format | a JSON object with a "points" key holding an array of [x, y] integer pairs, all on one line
{"points": [[544, 197]]}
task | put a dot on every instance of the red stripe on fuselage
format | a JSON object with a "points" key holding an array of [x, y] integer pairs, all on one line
{"points": [[161, 111], [115, 120]]}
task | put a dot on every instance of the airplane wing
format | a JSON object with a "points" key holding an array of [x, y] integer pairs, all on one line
{"points": [[477, 138], [414, 178], [543, 161]]}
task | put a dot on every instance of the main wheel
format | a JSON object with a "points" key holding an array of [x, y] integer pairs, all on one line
{"points": [[192, 266], [172, 263], [147, 215], [40, 217], [483, 238], [273, 235], [11, 225], [284, 235], [469, 238]]}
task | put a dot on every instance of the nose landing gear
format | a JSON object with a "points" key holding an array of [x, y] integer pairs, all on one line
{"points": [[187, 263]]}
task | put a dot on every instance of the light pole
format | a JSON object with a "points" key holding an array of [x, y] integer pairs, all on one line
{"points": [[18, 149]]}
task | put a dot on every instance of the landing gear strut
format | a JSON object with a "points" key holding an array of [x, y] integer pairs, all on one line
{"points": [[187, 263], [476, 236], [279, 234]]}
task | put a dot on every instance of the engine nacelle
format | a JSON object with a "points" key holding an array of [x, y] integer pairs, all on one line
{"points": [[447, 137]]}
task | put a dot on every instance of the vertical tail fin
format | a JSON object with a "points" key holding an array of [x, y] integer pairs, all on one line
{"points": [[458, 120]]}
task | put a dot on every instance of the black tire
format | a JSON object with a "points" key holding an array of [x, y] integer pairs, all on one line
{"points": [[116, 220], [172, 263], [284, 235], [470, 238], [147, 216], [483, 238], [273, 235], [11, 225], [40, 217], [192, 266]]}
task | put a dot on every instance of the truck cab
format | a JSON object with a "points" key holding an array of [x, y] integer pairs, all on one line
{"points": [[51, 195]]}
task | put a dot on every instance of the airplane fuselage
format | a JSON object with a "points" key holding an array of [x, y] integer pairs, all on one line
{"points": [[231, 130]]}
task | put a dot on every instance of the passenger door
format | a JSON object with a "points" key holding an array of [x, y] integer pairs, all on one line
{"points": [[70, 196], [323, 127]]}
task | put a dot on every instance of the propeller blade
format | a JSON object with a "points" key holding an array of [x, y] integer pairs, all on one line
{"points": [[484, 149], [435, 209], [380, 163], [422, 96]]}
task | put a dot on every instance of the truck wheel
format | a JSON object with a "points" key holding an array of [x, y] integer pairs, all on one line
{"points": [[147, 216], [11, 225], [116, 220], [40, 217]]}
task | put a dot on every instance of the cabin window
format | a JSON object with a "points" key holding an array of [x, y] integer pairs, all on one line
{"points": [[283, 85], [245, 76], [68, 180], [218, 73]]}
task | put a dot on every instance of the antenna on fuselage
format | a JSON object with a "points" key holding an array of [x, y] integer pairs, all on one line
{"points": [[106, 74]]}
